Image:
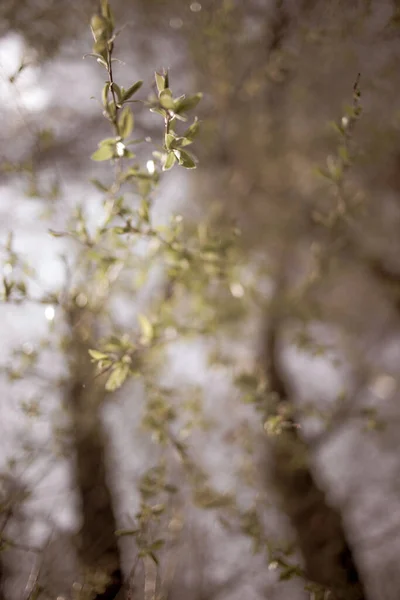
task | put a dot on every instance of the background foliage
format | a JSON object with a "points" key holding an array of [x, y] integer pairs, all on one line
{"points": [[200, 365]]}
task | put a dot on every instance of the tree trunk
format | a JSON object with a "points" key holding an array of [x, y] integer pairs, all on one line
{"points": [[319, 529], [98, 547]]}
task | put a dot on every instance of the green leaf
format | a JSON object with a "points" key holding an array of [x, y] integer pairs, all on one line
{"points": [[117, 377], [97, 355], [187, 103], [104, 8], [108, 142], [125, 122], [100, 27], [169, 139], [147, 329], [107, 13], [159, 111], [104, 93], [114, 344], [185, 160], [160, 82], [166, 99], [182, 118], [180, 142], [111, 109], [100, 48], [193, 130], [103, 153], [169, 161], [131, 90], [117, 91]]}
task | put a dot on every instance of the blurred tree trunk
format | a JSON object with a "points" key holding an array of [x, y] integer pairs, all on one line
{"points": [[319, 529], [249, 151], [98, 547]]}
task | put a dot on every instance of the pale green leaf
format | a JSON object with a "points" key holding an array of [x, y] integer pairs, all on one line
{"points": [[125, 122], [169, 139], [107, 142], [160, 82], [146, 328], [103, 153], [187, 103], [97, 355], [159, 111], [193, 130], [185, 160], [117, 377], [170, 160], [131, 90], [166, 99], [100, 27], [117, 91], [100, 47]]}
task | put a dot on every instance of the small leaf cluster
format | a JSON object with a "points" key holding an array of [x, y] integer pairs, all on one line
{"points": [[118, 357], [172, 109]]}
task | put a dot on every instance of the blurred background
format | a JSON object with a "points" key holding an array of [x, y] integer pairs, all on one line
{"points": [[288, 401]]}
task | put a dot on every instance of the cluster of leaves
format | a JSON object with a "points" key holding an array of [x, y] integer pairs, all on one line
{"points": [[192, 259], [116, 99], [195, 261], [173, 109]]}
